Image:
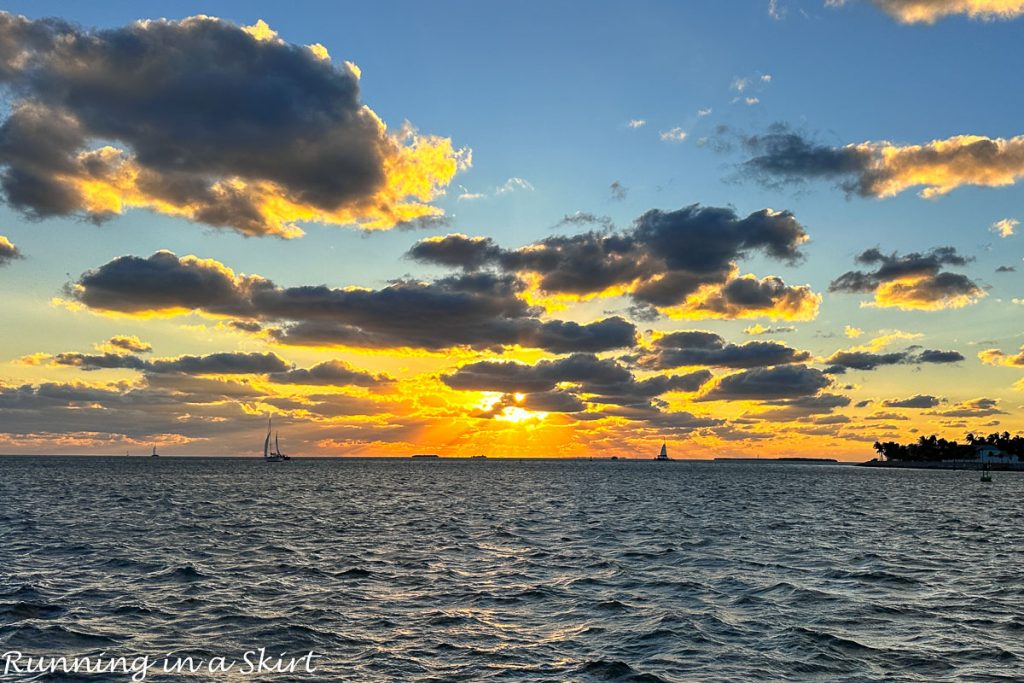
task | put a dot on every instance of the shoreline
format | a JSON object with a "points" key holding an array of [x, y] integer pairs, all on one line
{"points": [[966, 465]]}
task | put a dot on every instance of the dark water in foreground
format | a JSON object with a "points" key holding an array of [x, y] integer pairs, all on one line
{"points": [[490, 570]]}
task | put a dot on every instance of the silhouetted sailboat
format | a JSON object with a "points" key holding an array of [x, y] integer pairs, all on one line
{"points": [[272, 455], [663, 455], [154, 454]]}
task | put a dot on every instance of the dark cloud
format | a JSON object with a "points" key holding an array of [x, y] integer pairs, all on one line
{"points": [[245, 325], [662, 260], [330, 373], [935, 356], [840, 361], [979, 407], [203, 119], [480, 310], [783, 156], [456, 250], [911, 281], [277, 370], [764, 384], [164, 282], [133, 344], [1006, 269], [192, 410], [618, 191], [510, 376], [680, 349], [803, 407], [224, 363], [569, 384], [918, 401], [8, 252]]}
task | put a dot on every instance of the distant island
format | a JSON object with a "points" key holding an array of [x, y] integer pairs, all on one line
{"points": [[426, 455], [785, 459], [997, 451]]}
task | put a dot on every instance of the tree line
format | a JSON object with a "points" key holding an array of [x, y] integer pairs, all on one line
{"points": [[934, 448]]}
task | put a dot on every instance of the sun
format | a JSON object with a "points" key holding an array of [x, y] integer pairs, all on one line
{"points": [[517, 414], [505, 407]]}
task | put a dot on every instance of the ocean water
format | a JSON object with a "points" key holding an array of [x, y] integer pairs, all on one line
{"points": [[400, 570]]}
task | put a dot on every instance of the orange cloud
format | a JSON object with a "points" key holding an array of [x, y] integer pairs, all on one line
{"points": [[193, 137], [921, 293], [771, 298], [997, 357], [941, 166], [930, 11]]}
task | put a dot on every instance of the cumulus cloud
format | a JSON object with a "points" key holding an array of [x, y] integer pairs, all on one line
{"points": [[477, 310], [8, 252], [224, 125], [569, 384], [759, 329], [979, 407], [64, 410], [1005, 227], [930, 11], [761, 384], [784, 410], [276, 369], [882, 168], [128, 343], [913, 281], [673, 135], [694, 348], [683, 261], [859, 359], [330, 373], [920, 401], [223, 363], [997, 357]]}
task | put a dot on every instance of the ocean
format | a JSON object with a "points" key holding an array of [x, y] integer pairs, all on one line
{"points": [[533, 570]]}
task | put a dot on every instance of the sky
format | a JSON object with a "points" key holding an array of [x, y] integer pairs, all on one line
{"points": [[756, 228]]}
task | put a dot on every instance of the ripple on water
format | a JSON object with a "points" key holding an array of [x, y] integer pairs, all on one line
{"points": [[456, 570]]}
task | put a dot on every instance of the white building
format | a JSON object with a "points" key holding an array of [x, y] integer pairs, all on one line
{"points": [[986, 453]]}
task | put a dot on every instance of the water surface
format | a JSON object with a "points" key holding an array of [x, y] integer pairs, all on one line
{"points": [[519, 570]]}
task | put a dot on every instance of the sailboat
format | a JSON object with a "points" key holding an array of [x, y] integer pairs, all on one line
{"points": [[154, 454], [272, 455], [986, 474], [663, 454]]}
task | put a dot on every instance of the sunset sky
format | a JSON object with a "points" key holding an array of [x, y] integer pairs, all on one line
{"points": [[771, 228]]}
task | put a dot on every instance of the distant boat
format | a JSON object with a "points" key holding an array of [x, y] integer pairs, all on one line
{"points": [[986, 474], [154, 454], [430, 456], [478, 457], [274, 455], [663, 455]]}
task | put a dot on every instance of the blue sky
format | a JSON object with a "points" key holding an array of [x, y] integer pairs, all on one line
{"points": [[544, 92]]}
